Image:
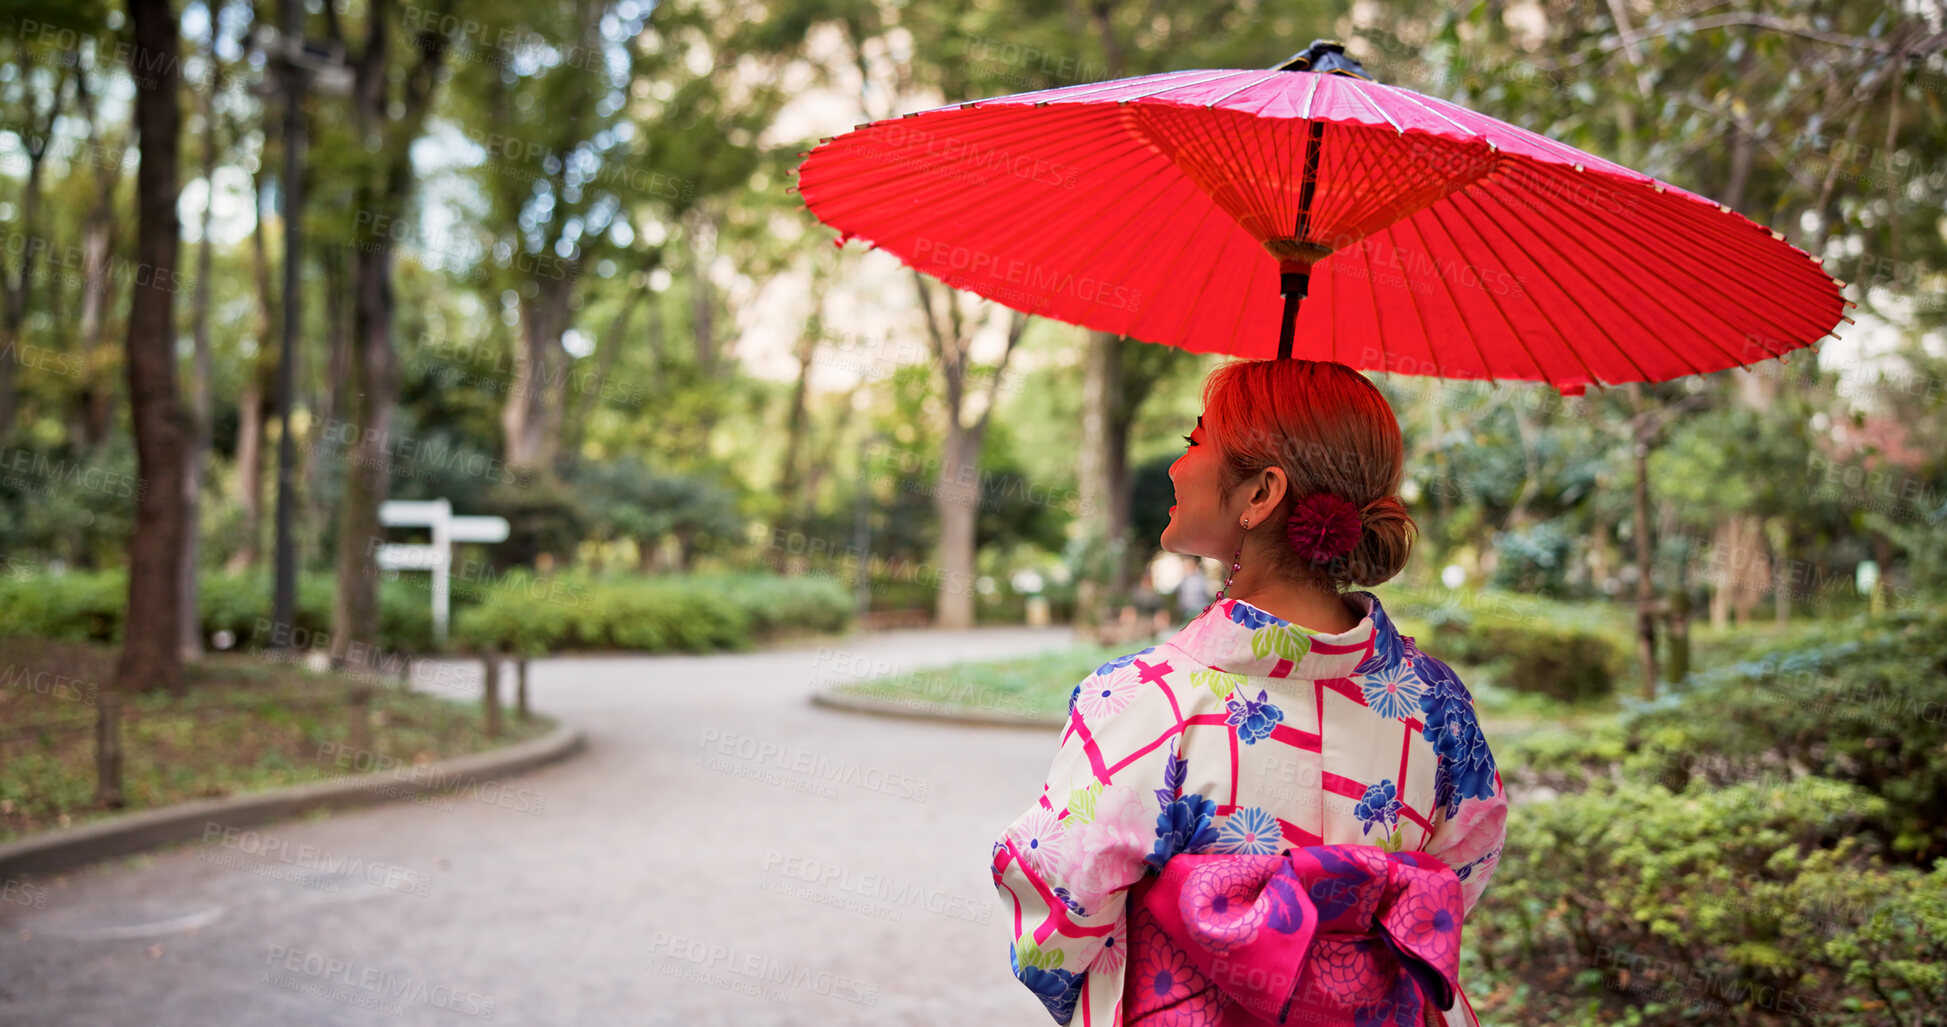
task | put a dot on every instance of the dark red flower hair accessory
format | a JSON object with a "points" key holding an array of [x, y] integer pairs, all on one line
{"points": [[1324, 527]]}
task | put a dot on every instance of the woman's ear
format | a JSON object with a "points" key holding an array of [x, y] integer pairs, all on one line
{"points": [[1268, 489]]}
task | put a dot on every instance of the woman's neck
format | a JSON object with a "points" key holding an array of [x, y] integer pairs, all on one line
{"points": [[1327, 613]]}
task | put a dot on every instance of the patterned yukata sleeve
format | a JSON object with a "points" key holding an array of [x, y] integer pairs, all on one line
{"points": [[1064, 866], [1470, 805]]}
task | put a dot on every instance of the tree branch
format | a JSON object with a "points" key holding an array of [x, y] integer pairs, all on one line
{"points": [[1773, 24]]}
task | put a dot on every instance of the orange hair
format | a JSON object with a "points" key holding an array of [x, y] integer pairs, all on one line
{"points": [[1328, 428]]}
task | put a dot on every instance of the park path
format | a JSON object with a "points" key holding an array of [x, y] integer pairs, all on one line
{"points": [[723, 853]]}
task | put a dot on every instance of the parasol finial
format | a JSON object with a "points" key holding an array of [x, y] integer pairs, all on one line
{"points": [[1325, 57]]}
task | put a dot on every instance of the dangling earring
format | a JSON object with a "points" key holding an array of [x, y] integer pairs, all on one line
{"points": [[1234, 566]]}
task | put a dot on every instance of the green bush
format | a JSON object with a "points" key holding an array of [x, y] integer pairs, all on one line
{"points": [[1751, 904], [74, 607], [1565, 664], [689, 614], [1867, 706], [1528, 654], [517, 612]]}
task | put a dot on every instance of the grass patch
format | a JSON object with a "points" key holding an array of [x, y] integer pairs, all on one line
{"points": [[245, 725], [1026, 686], [1040, 685]]}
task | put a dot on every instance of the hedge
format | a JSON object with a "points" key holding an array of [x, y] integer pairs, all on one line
{"points": [[1744, 905], [1768, 846], [1867, 706], [692, 613], [1566, 662], [516, 613], [89, 606]]}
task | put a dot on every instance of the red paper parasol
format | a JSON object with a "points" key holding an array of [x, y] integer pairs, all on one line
{"points": [[1421, 237]]}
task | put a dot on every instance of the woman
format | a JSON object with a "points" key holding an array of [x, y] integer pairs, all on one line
{"points": [[1286, 731]]}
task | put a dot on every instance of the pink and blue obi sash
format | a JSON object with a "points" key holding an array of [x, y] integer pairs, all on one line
{"points": [[1328, 934]]}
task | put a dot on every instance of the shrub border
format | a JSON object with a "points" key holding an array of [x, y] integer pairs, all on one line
{"points": [[188, 821]]}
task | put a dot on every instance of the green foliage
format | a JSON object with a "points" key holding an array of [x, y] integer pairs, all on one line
{"points": [[1534, 560], [1037, 685], [625, 498], [76, 607], [518, 612], [1867, 706], [247, 723], [1762, 847], [67, 502], [1529, 654], [1744, 905], [678, 613]]}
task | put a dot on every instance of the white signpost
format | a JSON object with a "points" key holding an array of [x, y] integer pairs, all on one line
{"points": [[437, 557]]}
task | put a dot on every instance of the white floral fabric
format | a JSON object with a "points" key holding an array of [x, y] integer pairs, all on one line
{"points": [[1243, 733]]}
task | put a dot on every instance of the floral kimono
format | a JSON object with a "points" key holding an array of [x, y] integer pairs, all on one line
{"points": [[1243, 734]]}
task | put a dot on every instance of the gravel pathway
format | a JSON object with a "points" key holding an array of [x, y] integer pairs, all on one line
{"points": [[723, 853]]}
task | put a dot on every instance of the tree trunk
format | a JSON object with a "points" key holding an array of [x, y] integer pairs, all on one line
{"points": [[328, 400], [957, 502], [253, 406], [703, 303], [355, 612], [95, 403], [958, 494], [1778, 537], [149, 656], [1720, 592], [19, 281], [198, 436], [790, 481], [252, 410], [1102, 474], [1645, 588], [531, 418], [588, 394]]}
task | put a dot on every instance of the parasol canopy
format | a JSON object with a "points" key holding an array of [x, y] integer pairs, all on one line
{"points": [[1306, 211]]}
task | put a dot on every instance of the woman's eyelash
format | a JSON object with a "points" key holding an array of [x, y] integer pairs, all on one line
{"points": [[1189, 440]]}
